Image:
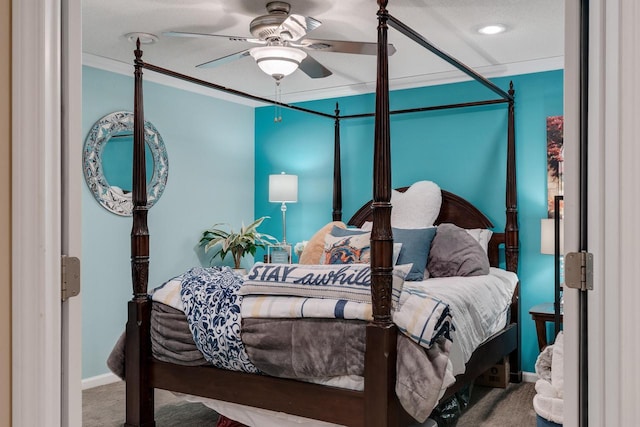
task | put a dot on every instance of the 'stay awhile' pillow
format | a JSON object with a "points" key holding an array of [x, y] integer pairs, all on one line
{"points": [[350, 282]]}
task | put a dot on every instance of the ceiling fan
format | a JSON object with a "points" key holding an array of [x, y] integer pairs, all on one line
{"points": [[284, 44]]}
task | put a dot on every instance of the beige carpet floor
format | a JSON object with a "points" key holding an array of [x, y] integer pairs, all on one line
{"points": [[490, 407]]}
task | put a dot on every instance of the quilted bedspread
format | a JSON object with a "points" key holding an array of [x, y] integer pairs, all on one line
{"points": [[329, 351]]}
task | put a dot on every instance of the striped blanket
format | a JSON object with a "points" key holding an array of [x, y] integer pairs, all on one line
{"points": [[421, 317]]}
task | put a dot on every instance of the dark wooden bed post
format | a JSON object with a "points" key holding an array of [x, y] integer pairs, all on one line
{"points": [[512, 242], [381, 408], [139, 393], [337, 170], [512, 250]]}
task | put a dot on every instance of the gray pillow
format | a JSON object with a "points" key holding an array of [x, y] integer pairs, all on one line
{"points": [[456, 253], [415, 249]]}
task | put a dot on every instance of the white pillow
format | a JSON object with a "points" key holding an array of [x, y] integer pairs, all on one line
{"points": [[482, 236], [418, 207]]}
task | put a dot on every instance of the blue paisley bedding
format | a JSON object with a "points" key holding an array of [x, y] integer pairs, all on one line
{"points": [[211, 298], [212, 305]]}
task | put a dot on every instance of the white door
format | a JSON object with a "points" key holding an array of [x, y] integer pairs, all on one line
{"points": [[612, 192], [46, 141]]}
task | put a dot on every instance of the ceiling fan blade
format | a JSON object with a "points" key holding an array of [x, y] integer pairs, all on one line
{"points": [[313, 68], [296, 27], [231, 38], [361, 48], [224, 60]]}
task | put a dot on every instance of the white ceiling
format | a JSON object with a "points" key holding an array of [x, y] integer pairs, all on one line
{"points": [[534, 40]]}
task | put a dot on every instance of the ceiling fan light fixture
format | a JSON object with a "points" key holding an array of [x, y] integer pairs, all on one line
{"points": [[278, 61]]}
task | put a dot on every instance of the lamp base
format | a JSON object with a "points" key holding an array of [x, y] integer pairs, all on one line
{"points": [[279, 254]]}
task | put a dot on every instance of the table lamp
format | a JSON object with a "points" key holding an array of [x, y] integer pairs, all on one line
{"points": [[283, 189]]}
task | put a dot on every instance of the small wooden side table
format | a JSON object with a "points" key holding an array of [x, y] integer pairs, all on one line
{"points": [[541, 314]]}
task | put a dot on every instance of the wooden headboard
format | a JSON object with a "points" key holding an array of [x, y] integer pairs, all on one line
{"points": [[454, 210]]}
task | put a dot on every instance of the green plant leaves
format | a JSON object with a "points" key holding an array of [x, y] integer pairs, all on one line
{"points": [[222, 237]]}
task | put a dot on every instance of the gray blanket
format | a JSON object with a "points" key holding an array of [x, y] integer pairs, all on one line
{"points": [[303, 349], [322, 348], [171, 341]]}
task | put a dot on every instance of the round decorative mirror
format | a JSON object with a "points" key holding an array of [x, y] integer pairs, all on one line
{"points": [[107, 161]]}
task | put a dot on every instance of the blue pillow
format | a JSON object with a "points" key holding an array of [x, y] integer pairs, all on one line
{"points": [[416, 243], [344, 232]]}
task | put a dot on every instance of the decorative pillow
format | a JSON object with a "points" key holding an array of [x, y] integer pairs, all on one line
{"points": [[415, 249], [353, 249], [482, 236], [418, 207], [455, 253], [342, 232], [313, 250], [350, 282], [367, 226]]}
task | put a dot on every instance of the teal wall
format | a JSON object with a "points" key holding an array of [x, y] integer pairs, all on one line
{"points": [[211, 162], [463, 151]]}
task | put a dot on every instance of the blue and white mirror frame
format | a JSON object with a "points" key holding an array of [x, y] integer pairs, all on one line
{"points": [[111, 197]]}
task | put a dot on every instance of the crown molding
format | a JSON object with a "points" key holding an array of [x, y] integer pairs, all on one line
{"points": [[453, 76], [433, 79], [126, 69]]}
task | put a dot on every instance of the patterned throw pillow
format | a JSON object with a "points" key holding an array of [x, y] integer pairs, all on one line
{"points": [[354, 249], [313, 250]]}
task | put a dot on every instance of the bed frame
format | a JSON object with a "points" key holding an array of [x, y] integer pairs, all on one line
{"points": [[377, 405]]}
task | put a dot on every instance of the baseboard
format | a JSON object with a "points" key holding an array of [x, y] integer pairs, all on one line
{"points": [[529, 377], [99, 380]]}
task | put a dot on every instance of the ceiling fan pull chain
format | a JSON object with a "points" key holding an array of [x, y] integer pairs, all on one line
{"points": [[278, 98]]}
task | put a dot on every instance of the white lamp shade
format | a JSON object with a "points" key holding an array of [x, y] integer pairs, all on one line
{"points": [[277, 61], [547, 239], [283, 188]]}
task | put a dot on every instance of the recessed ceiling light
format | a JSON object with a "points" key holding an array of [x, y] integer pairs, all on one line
{"points": [[145, 38], [492, 29]]}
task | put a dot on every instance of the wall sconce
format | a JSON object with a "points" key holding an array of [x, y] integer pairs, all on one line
{"points": [[283, 189]]}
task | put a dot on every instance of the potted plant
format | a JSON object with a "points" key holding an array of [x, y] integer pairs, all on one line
{"points": [[224, 239]]}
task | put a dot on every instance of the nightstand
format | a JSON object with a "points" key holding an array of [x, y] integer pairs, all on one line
{"points": [[541, 314]]}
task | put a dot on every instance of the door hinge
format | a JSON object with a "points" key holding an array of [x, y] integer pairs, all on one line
{"points": [[70, 277], [578, 270]]}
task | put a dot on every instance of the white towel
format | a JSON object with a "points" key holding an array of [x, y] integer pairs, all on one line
{"points": [[548, 401]]}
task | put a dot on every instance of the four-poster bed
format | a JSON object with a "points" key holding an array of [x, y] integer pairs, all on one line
{"points": [[377, 404]]}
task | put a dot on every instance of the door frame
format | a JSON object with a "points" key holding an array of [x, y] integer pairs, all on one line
{"points": [[37, 186], [38, 391], [71, 145]]}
